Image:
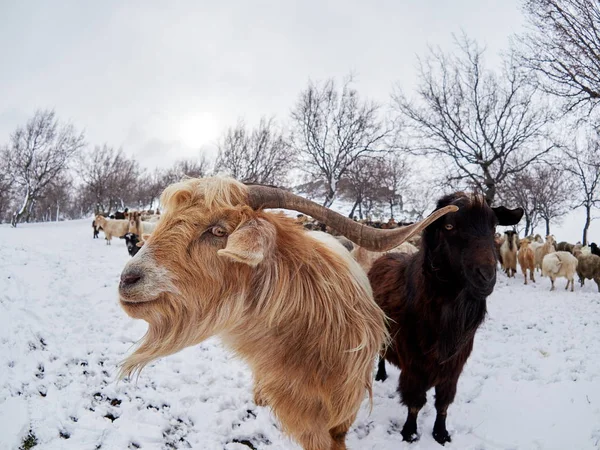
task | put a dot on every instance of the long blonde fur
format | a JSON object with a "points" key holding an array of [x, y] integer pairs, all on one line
{"points": [[292, 303]]}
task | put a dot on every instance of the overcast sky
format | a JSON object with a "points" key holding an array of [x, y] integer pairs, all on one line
{"points": [[163, 79]]}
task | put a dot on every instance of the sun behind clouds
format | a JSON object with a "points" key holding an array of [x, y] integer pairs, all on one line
{"points": [[199, 129]]}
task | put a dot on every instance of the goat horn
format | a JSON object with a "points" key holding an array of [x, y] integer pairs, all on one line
{"points": [[367, 237]]}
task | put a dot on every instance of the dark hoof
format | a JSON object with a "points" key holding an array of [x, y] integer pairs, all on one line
{"points": [[409, 434], [441, 436], [380, 376]]}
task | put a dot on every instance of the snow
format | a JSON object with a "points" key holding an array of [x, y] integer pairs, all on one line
{"points": [[532, 382]]}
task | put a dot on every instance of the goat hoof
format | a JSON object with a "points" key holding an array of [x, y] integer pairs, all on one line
{"points": [[410, 437], [441, 436]]}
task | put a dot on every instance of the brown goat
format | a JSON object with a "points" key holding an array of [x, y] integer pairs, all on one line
{"points": [[527, 260], [293, 304], [436, 300]]}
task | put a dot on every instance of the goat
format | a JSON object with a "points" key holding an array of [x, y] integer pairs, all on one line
{"points": [[131, 241], [112, 227], [543, 250], [436, 300], [588, 266], [139, 227], [560, 264], [498, 241], [564, 247], [526, 260], [96, 228], [294, 305], [121, 215], [508, 253], [594, 249]]}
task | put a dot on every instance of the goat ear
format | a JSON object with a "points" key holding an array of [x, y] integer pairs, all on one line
{"points": [[250, 243], [507, 216]]}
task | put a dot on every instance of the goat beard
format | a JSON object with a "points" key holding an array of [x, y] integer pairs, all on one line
{"points": [[460, 320]]}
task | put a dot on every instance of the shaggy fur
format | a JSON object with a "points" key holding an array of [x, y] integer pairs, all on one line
{"points": [[366, 258], [508, 253], [560, 264], [112, 228], [436, 300], [588, 266], [526, 260], [541, 251], [594, 249], [293, 304]]}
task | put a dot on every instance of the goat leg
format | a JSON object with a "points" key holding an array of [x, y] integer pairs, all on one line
{"points": [[381, 372], [444, 395], [413, 391]]}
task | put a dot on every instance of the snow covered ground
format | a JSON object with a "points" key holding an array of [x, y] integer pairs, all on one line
{"points": [[533, 381]]}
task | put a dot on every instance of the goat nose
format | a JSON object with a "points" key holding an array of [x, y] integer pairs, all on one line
{"points": [[129, 279], [486, 274]]}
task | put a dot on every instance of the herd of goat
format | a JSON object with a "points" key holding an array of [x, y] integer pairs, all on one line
{"points": [[562, 260], [311, 312]]}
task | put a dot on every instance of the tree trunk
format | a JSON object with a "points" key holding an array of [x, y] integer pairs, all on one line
{"points": [[57, 210], [527, 225], [351, 215], [490, 191], [360, 215], [329, 198], [392, 209], [588, 219], [16, 218], [547, 227]]}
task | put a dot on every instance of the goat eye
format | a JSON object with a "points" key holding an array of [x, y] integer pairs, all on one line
{"points": [[448, 226], [218, 231]]}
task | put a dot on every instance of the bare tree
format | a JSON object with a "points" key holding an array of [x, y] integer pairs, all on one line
{"points": [[332, 128], [5, 189], [261, 155], [109, 177], [584, 165], [54, 201], [485, 126], [421, 197], [359, 184], [522, 190], [194, 168], [562, 46], [554, 194], [394, 181], [38, 153]]}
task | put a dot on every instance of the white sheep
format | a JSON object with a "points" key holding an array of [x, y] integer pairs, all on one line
{"points": [[560, 264]]}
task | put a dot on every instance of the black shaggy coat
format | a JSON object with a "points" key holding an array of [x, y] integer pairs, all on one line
{"points": [[436, 300]]}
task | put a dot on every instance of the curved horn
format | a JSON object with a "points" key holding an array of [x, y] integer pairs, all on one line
{"points": [[367, 237]]}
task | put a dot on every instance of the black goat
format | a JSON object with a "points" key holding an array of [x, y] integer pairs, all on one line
{"points": [[96, 228], [131, 241], [436, 300], [594, 249]]}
